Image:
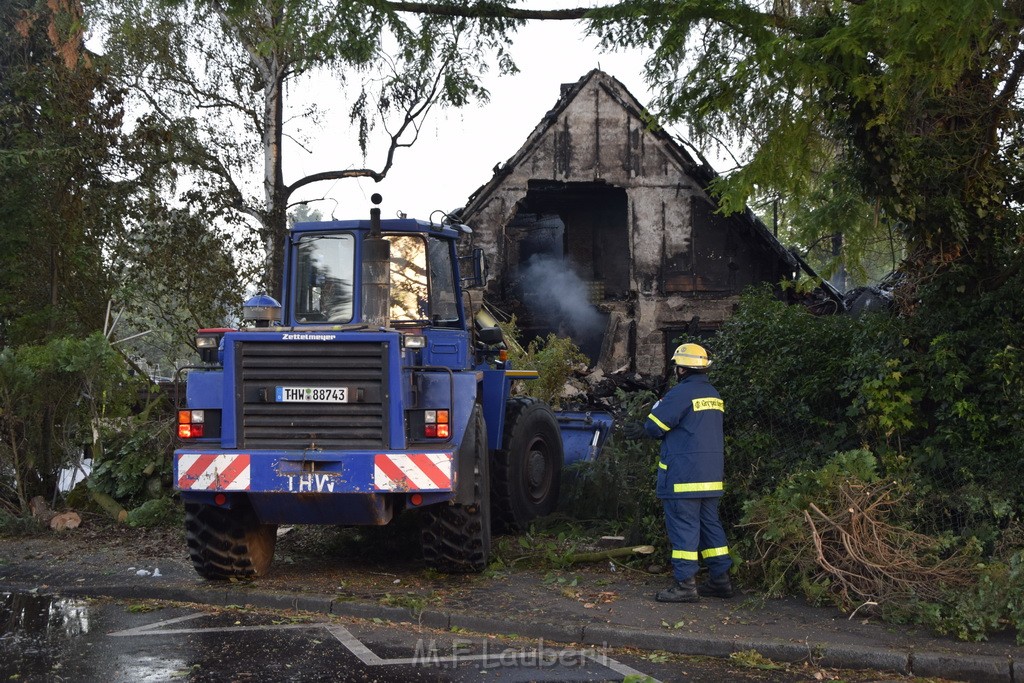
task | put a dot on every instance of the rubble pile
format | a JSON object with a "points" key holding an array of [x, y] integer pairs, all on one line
{"points": [[593, 389]]}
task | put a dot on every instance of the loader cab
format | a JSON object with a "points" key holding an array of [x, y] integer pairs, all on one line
{"points": [[324, 278], [327, 285]]}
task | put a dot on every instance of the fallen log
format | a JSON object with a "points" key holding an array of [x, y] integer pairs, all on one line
{"points": [[65, 521], [109, 505], [609, 554]]}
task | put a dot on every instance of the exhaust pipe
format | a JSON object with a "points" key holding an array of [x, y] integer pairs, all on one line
{"points": [[376, 271]]}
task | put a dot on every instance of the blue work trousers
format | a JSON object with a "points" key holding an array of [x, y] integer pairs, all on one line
{"points": [[694, 530]]}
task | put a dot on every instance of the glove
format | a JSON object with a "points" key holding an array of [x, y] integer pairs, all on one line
{"points": [[633, 431]]}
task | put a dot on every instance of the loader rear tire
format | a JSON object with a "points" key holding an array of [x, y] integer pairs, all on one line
{"points": [[456, 538], [527, 472], [228, 543]]}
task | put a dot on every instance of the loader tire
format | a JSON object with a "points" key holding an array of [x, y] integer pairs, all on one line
{"points": [[456, 538], [228, 543], [526, 474]]}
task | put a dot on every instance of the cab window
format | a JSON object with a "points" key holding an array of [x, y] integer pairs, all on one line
{"points": [[422, 281], [442, 283], [323, 272]]}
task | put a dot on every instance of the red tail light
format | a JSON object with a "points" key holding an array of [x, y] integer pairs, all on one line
{"points": [[190, 424], [436, 425]]}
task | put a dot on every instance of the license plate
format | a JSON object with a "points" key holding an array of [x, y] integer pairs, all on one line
{"points": [[312, 395]]}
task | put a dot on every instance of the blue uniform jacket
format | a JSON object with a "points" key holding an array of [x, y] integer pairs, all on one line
{"points": [[688, 420]]}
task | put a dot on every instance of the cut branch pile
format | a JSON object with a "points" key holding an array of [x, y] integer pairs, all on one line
{"points": [[868, 559]]}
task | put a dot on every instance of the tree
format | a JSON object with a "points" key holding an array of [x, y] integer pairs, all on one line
{"points": [[163, 297], [215, 75], [61, 212], [916, 105], [59, 207]]}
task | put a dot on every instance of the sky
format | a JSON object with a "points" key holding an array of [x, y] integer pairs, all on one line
{"points": [[457, 150]]}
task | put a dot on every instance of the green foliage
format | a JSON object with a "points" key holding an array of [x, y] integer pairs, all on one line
{"points": [[157, 512], [70, 185], [59, 207], [143, 607], [637, 678], [535, 547], [414, 602], [968, 352], [837, 229], [619, 485], [885, 400], [18, 525], [136, 451], [52, 398], [82, 218], [792, 386], [242, 59], [165, 294], [935, 398], [752, 659], [995, 603], [555, 358]]}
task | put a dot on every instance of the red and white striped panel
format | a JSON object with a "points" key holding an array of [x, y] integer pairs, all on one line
{"points": [[412, 471], [213, 472]]}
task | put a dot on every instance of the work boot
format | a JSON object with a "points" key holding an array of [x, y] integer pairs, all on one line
{"points": [[716, 587], [682, 591]]}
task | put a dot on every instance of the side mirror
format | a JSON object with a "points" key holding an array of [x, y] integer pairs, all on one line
{"points": [[473, 268]]}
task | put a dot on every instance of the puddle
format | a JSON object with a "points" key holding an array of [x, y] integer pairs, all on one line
{"points": [[37, 633], [32, 615]]}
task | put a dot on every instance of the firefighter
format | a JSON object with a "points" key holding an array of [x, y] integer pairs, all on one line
{"points": [[688, 420]]}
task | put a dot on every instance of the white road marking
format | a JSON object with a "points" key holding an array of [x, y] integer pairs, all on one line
{"points": [[367, 656]]}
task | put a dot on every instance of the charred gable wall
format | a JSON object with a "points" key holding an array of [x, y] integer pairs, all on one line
{"points": [[600, 228]]}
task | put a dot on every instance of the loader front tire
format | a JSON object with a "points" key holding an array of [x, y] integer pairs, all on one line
{"points": [[228, 543], [527, 473], [456, 538]]}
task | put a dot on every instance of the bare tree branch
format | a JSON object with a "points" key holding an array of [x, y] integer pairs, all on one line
{"points": [[416, 110]]}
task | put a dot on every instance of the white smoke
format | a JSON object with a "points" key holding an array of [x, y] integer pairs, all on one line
{"points": [[551, 290]]}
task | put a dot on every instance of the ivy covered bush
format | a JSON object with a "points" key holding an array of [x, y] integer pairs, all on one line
{"points": [[936, 396]]}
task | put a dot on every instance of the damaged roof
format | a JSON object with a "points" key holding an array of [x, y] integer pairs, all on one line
{"points": [[700, 171]]}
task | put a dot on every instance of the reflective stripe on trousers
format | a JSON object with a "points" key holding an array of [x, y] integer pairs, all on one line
{"points": [[695, 531]]}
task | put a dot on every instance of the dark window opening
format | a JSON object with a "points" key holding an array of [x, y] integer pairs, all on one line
{"points": [[594, 231], [571, 252], [693, 331]]}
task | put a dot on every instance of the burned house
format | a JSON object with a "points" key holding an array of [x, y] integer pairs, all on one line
{"points": [[602, 229]]}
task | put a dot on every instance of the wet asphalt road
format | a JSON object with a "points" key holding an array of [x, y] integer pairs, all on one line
{"points": [[47, 638]]}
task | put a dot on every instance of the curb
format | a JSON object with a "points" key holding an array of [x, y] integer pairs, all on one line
{"points": [[947, 665]]}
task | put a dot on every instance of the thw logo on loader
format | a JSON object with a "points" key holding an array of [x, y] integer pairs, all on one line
{"points": [[308, 483]]}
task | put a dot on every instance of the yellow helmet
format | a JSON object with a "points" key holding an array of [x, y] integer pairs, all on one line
{"points": [[691, 356]]}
